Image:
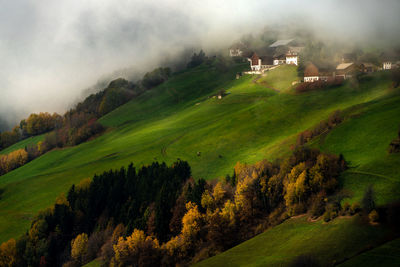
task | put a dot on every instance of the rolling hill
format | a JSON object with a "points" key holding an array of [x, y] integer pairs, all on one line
{"points": [[259, 118]]}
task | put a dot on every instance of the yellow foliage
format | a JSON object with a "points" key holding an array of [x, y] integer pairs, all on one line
{"points": [[228, 211], [84, 184], [296, 171], [242, 191], [62, 200], [13, 160], [8, 253], [219, 192], [191, 221], [132, 245], [206, 200], [79, 247]]}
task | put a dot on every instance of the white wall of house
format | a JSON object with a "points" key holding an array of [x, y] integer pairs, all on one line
{"points": [[387, 65], [279, 61], [292, 60], [255, 67], [311, 79]]}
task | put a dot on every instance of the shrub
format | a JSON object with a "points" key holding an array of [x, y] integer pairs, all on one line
{"points": [[355, 208], [306, 87], [373, 216], [156, 77], [346, 208], [317, 206]]}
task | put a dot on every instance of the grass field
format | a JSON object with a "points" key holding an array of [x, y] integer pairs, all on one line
{"points": [[178, 119], [363, 139], [385, 255], [326, 242]]}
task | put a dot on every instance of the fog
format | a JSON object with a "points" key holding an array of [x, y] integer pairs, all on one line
{"points": [[52, 51]]}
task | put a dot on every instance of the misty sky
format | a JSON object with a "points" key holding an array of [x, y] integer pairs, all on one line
{"points": [[50, 51]]}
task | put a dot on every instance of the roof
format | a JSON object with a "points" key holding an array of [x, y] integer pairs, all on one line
{"points": [[281, 56], [266, 60], [311, 70], [281, 42], [368, 65], [254, 59], [343, 66], [296, 49]]}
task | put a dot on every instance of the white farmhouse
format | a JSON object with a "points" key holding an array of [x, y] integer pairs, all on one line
{"points": [[259, 64], [311, 73], [387, 65], [292, 58], [278, 60]]}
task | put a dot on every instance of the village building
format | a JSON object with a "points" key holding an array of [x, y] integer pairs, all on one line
{"points": [[292, 58], [279, 60], [237, 50], [389, 59], [258, 63], [311, 73], [387, 65], [367, 67], [346, 70]]}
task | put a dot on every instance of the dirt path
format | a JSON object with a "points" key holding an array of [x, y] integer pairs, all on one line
{"points": [[264, 84], [164, 148], [373, 174]]}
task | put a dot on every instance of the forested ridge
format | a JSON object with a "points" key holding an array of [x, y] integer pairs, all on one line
{"points": [[158, 215]]}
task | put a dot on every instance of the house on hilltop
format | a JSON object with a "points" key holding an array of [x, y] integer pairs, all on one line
{"points": [[279, 59], [390, 59], [346, 70], [260, 63], [368, 67], [312, 73], [292, 58]]}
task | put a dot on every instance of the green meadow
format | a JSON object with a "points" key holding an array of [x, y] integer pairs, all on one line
{"points": [[259, 118], [328, 243]]}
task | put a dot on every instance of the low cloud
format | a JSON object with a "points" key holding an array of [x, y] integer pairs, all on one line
{"points": [[51, 51]]}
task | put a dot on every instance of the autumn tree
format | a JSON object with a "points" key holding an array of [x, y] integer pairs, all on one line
{"points": [[8, 253], [137, 250], [79, 247]]}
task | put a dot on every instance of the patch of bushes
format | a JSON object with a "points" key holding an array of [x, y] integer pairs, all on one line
{"points": [[334, 119], [394, 146], [13, 160], [156, 77], [317, 85], [373, 216]]}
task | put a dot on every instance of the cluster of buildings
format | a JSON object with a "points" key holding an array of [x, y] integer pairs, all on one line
{"points": [[278, 53], [287, 52]]}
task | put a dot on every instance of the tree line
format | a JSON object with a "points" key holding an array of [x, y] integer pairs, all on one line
{"points": [[117, 93], [158, 215]]}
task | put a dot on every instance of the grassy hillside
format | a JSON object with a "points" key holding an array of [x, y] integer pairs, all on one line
{"points": [[385, 255], [363, 139], [327, 242], [177, 120]]}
